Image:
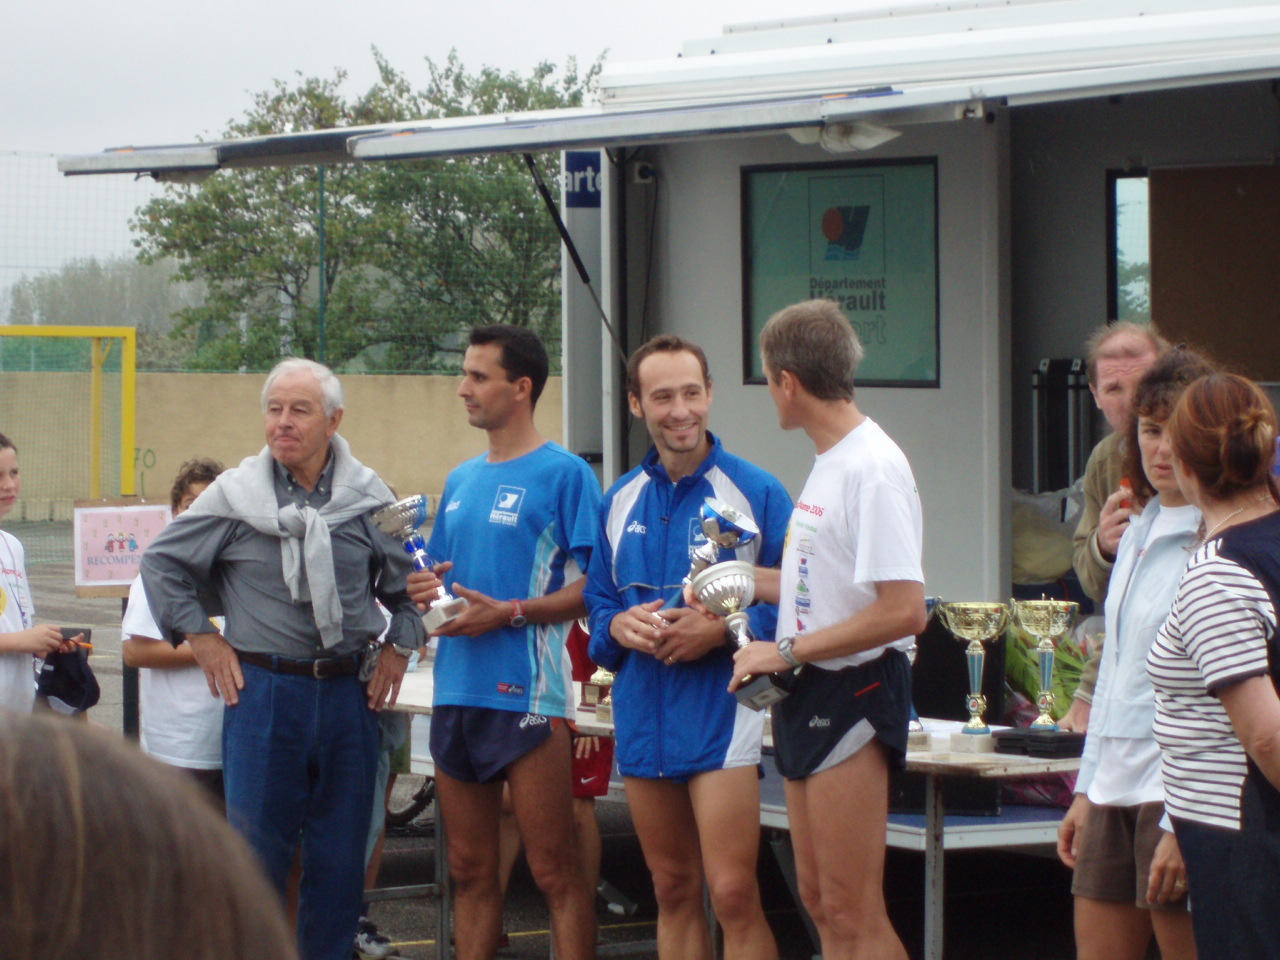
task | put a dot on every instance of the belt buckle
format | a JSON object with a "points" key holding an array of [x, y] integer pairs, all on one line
{"points": [[315, 668]]}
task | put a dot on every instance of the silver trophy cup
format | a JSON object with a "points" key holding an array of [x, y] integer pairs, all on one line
{"points": [[727, 589], [724, 527], [402, 520]]}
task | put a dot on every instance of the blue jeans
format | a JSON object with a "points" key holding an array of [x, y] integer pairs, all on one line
{"points": [[299, 756]]}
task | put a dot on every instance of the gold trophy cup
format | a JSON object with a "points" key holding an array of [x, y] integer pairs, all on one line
{"points": [[975, 623], [1046, 620], [598, 693]]}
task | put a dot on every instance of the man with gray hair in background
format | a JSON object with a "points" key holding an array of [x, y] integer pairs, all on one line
{"points": [[1118, 353], [284, 546]]}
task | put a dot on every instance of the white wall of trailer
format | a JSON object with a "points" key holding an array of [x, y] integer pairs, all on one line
{"points": [[956, 436]]}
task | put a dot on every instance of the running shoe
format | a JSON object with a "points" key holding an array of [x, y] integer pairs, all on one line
{"points": [[369, 943]]}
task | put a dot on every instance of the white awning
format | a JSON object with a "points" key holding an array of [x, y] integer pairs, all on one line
{"points": [[919, 64]]}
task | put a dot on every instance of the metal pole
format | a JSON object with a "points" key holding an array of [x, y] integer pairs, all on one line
{"points": [[130, 689], [324, 281], [95, 419], [128, 410]]}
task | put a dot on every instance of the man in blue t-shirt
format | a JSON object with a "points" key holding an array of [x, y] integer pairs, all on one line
{"points": [[517, 525], [687, 750]]}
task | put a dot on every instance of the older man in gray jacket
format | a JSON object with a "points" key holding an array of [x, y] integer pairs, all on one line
{"points": [[285, 547]]}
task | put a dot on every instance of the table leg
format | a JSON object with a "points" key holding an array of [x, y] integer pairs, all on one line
{"points": [[933, 853]]}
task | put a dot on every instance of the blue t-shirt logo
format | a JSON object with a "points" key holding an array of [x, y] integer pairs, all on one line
{"points": [[506, 506]]}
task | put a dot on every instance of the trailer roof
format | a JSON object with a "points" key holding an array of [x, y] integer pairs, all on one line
{"points": [[909, 63]]}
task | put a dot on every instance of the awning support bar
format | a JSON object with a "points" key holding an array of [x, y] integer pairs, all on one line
{"points": [[573, 251]]}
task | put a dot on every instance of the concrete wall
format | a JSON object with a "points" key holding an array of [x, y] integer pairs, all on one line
{"points": [[1059, 157], [956, 436], [411, 429]]}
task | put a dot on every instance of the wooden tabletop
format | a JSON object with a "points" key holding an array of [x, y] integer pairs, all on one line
{"points": [[417, 689]]}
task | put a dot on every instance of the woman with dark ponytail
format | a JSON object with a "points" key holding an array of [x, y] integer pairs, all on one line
{"points": [[1212, 666]]}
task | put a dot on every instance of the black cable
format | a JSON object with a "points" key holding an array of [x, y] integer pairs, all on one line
{"points": [[573, 251]]}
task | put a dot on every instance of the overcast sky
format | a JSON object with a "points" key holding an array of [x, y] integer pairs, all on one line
{"points": [[80, 76]]}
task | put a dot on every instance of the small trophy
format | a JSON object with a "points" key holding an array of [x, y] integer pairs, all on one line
{"points": [[977, 623], [727, 589], [598, 693], [917, 736], [402, 520], [725, 527], [1046, 620]]}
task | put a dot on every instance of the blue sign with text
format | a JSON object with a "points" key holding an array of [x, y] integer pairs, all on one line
{"points": [[582, 178]]}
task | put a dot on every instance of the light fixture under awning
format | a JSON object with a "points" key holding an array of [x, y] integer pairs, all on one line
{"points": [[611, 128]]}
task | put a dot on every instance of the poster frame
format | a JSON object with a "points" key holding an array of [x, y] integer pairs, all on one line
{"points": [[751, 324]]}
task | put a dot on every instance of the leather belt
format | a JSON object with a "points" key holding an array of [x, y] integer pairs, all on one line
{"points": [[321, 669]]}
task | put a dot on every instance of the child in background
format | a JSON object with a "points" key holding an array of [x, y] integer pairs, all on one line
{"points": [[181, 722], [20, 635]]}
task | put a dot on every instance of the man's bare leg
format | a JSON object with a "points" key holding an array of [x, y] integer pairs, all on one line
{"points": [[841, 815], [508, 841], [587, 830], [470, 812], [542, 793], [726, 805], [662, 814]]}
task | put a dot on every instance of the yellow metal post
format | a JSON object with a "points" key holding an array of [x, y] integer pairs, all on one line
{"points": [[95, 418], [128, 401], [128, 392]]}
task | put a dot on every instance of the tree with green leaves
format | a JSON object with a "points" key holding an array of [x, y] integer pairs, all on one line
{"points": [[415, 253]]}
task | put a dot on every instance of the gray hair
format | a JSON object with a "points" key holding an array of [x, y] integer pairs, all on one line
{"points": [[1112, 341], [816, 344], [330, 388]]}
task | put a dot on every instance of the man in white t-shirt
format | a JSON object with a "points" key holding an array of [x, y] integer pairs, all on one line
{"points": [[181, 722], [850, 597]]}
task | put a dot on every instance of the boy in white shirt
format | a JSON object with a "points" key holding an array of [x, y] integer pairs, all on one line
{"points": [[181, 721], [20, 636], [850, 597]]}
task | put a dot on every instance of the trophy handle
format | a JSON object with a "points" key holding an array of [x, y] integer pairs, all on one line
{"points": [[416, 548]]}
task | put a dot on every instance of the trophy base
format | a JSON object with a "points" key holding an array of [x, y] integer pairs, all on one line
{"points": [[918, 741], [604, 712], [761, 692], [442, 612], [972, 743], [1047, 744]]}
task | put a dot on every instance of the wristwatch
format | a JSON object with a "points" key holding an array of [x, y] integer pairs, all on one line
{"points": [[518, 619], [784, 650], [405, 652]]}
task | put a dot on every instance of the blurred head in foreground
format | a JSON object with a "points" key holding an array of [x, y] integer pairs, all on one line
{"points": [[106, 853]]}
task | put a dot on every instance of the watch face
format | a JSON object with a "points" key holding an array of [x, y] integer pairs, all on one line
{"points": [[519, 621]]}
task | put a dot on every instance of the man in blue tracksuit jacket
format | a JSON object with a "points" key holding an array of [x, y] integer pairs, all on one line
{"points": [[686, 749]]}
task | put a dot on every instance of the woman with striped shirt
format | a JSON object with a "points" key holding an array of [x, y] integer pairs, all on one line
{"points": [[1217, 710]]}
